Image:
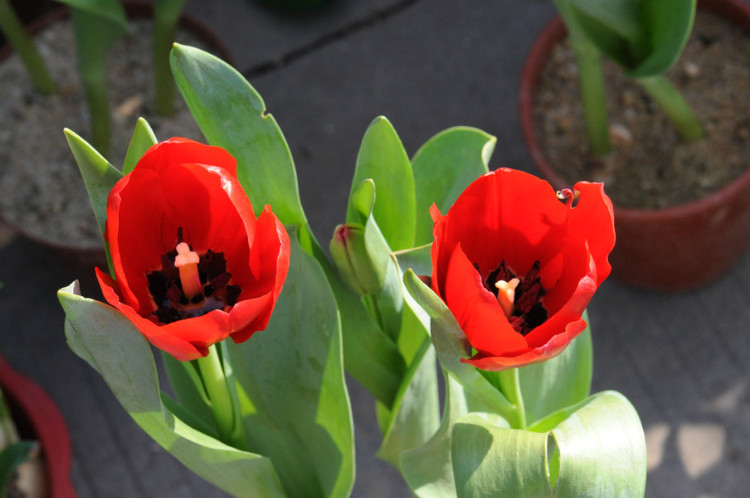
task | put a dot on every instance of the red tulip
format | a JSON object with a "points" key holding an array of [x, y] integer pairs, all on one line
{"points": [[517, 264], [192, 264]]}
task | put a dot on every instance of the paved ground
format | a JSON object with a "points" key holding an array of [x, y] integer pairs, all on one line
{"points": [[426, 65]]}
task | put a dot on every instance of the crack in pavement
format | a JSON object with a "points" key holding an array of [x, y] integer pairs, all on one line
{"points": [[341, 33]]}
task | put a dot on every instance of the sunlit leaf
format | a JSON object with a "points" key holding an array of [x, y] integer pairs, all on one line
{"points": [[443, 167], [291, 374], [115, 348]]}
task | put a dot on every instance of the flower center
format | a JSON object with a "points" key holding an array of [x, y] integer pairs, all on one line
{"points": [[519, 297], [189, 284]]}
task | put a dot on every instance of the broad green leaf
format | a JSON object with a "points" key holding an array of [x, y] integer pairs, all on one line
{"points": [[112, 345], [417, 259], [109, 10], [562, 381], [428, 469], [443, 167], [383, 159], [291, 378], [619, 17], [646, 38], [490, 460], [602, 450], [143, 138], [597, 450], [370, 355], [669, 23], [451, 346], [414, 417], [232, 115]]}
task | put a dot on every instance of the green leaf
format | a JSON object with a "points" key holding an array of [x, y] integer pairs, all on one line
{"points": [[98, 175], [115, 348], [418, 259], [443, 167], [562, 381], [451, 346], [292, 380], [428, 469], [13, 29], [669, 23], [597, 450], [109, 10], [383, 159], [232, 115], [490, 460], [414, 417], [646, 38], [11, 457], [190, 393], [143, 138], [370, 355], [602, 450]]}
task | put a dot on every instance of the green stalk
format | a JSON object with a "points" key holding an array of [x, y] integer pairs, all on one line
{"points": [[222, 406], [674, 106], [591, 82], [11, 26], [166, 16], [511, 387], [92, 54]]}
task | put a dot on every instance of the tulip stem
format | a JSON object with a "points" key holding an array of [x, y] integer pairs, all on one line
{"points": [[215, 382], [511, 387]]}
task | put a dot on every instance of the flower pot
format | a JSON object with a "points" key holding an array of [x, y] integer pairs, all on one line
{"points": [[673, 248], [61, 218], [37, 417]]}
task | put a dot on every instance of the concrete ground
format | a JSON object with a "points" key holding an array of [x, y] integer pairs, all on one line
{"points": [[426, 65]]}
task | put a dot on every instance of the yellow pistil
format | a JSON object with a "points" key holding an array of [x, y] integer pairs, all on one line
{"points": [[506, 294], [187, 262]]}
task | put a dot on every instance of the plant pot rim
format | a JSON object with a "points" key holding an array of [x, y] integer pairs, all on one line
{"points": [[553, 33], [134, 9], [48, 424]]}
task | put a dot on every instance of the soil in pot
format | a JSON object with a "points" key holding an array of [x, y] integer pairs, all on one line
{"points": [[652, 167], [41, 191]]}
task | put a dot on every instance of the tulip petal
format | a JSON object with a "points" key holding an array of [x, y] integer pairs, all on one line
{"points": [[180, 150], [189, 343], [592, 219], [477, 311]]}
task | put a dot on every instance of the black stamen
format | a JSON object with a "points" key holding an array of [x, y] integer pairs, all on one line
{"points": [[172, 303], [528, 310]]}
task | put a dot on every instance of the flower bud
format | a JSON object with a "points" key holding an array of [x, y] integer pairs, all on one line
{"points": [[349, 251]]}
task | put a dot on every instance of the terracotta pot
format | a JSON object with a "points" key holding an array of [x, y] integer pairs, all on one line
{"points": [[676, 248], [88, 255], [37, 417]]}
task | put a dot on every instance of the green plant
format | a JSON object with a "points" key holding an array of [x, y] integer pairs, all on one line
{"points": [[97, 25], [645, 38], [11, 27], [16, 456]]}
